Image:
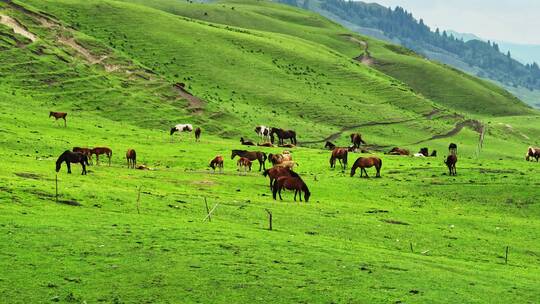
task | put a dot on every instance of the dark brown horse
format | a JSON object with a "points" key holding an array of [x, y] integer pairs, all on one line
{"points": [[85, 151], [291, 183], [58, 115], [398, 151], [246, 142], [217, 162], [275, 172], [251, 155], [341, 155], [367, 162], [424, 151], [72, 157], [329, 145], [356, 140], [282, 135], [131, 157], [452, 148], [198, 134], [102, 150], [450, 162]]}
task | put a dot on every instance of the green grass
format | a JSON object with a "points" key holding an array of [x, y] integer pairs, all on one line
{"points": [[350, 243]]}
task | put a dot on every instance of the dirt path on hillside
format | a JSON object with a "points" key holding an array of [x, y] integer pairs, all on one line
{"points": [[334, 136], [195, 103], [17, 27], [475, 125]]}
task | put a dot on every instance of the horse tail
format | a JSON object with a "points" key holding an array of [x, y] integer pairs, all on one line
{"points": [[380, 164]]}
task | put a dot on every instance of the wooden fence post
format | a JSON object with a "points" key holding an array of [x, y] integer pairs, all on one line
{"points": [[269, 219]]}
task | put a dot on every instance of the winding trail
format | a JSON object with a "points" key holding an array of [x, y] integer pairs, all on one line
{"points": [[476, 125], [334, 136]]}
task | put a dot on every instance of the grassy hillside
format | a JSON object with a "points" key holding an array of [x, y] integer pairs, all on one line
{"points": [[442, 84], [415, 235]]}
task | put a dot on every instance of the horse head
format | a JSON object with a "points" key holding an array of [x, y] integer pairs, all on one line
{"points": [[307, 194], [50, 114], [173, 129]]}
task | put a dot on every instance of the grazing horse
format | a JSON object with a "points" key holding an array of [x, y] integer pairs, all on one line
{"points": [[282, 135], [217, 162], [450, 162], [275, 159], [341, 155], [424, 151], [131, 157], [356, 140], [291, 183], [367, 162], [58, 115], [287, 164], [433, 153], [246, 142], [102, 150], [181, 128], [452, 148], [263, 132], [532, 152], [72, 157], [398, 151], [251, 155], [85, 151], [329, 145], [245, 163], [198, 134], [276, 172]]}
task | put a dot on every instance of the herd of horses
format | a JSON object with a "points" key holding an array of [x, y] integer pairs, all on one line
{"points": [[281, 175]]}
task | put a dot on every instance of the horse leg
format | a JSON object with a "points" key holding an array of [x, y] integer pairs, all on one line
{"points": [[83, 168], [109, 156], [279, 191], [299, 194], [295, 192], [65, 122], [68, 166], [365, 171]]}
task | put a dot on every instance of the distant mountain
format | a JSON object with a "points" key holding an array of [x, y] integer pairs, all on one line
{"points": [[466, 52]]}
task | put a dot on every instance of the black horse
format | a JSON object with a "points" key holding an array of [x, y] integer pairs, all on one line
{"points": [[282, 135], [329, 145], [72, 157]]}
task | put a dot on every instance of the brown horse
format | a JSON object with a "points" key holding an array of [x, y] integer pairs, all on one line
{"points": [[341, 155], [356, 140], [131, 157], [367, 162], [287, 146], [72, 157], [291, 183], [276, 172], [266, 144], [532, 152], [398, 151], [217, 162], [85, 151], [102, 150], [246, 142], [282, 135], [251, 155], [58, 115], [450, 162], [245, 163], [198, 134]]}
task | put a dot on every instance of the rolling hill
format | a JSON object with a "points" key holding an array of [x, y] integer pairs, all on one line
{"points": [[126, 71]]}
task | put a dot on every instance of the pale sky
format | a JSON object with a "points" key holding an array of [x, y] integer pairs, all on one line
{"points": [[515, 21]]}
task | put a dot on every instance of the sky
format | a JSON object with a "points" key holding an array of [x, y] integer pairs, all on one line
{"points": [[516, 21]]}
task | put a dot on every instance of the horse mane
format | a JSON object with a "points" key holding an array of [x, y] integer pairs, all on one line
{"points": [[294, 174]]}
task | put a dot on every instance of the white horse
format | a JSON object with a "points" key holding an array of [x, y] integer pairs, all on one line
{"points": [[181, 128], [263, 132]]}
